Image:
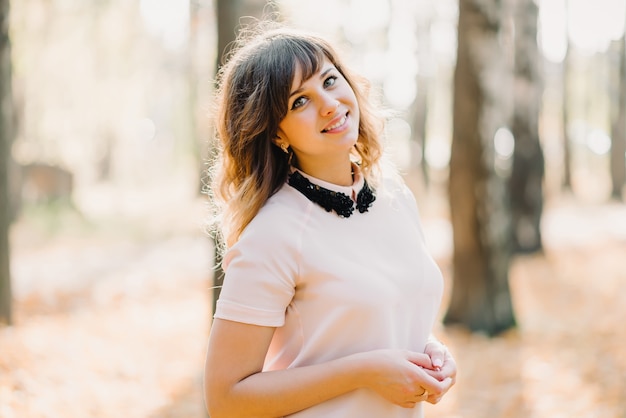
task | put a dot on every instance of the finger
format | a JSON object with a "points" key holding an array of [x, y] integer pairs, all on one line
{"points": [[437, 374], [408, 404], [439, 388], [433, 399], [437, 353], [423, 396], [449, 366], [448, 370], [420, 359]]}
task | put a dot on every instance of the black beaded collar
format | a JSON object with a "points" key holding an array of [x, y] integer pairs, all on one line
{"points": [[330, 199]]}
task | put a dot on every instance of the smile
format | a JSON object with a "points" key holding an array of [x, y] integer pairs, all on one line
{"points": [[339, 124]]}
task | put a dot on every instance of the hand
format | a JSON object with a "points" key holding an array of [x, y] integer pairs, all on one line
{"points": [[443, 366], [403, 377]]}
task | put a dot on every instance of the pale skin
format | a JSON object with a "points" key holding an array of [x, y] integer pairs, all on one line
{"points": [[321, 127], [236, 386]]}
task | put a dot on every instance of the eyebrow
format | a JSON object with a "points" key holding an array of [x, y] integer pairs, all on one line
{"points": [[322, 75]]}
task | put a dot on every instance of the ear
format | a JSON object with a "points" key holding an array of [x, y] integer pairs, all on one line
{"points": [[278, 136], [283, 145], [280, 142]]}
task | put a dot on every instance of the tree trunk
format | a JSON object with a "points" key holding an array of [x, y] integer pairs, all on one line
{"points": [[618, 137], [419, 109], [478, 195], [418, 116], [526, 182], [566, 183], [200, 69], [6, 135], [228, 15]]}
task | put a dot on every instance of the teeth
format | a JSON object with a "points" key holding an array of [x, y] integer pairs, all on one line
{"points": [[336, 125]]}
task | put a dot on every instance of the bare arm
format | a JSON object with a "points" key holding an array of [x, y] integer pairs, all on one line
{"points": [[236, 387]]}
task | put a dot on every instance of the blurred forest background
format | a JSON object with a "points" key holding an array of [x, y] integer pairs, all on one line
{"points": [[509, 127]]}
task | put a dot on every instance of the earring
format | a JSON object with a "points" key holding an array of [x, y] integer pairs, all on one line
{"points": [[285, 147]]}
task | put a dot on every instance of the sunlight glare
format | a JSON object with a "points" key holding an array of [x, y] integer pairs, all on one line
{"points": [[598, 142], [363, 17], [167, 19], [444, 39], [306, 14], [590, 26], [437, 152], [400, 86], [593, 25], [552, 30], [399, 142], [504, 146], [146, 129], [504, 143], [400, 90]]}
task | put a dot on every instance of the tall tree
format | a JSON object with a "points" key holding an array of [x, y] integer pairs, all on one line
{"points": [[566, 183], [478, 195], [418, 111], [526, 181], [229, 14], [200, 69], [6, 136], [618, 136]]}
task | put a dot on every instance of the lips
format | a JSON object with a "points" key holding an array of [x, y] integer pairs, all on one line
{"points": [[336, 123]]}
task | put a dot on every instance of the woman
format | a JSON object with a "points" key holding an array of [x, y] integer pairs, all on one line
{"points": [[329, 295]]}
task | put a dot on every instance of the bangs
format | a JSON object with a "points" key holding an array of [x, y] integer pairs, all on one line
{"points": [[309, 57], [261, 77], [286, 54]]}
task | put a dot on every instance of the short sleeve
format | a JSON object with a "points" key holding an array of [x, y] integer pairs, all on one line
{"points": [[260, 272]]}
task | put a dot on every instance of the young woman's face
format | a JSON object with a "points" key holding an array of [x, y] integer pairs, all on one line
{"points": [[322, 121]]}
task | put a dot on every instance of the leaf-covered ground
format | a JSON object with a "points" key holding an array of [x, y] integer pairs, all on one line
{"points": [[113, 321]]}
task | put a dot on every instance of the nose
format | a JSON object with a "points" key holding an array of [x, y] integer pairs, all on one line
{"points": [[329, 105]]}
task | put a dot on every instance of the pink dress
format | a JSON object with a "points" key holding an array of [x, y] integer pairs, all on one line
{"points": [[335, 286]]}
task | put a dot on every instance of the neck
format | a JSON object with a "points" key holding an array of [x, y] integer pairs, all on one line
{"points": [[335, 173], [342, 204]]}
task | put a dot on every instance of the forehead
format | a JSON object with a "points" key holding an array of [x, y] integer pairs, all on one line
{"points": [[300, 76]]}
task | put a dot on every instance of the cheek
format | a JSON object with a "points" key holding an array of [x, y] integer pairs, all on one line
{"points": [[289, 128]]}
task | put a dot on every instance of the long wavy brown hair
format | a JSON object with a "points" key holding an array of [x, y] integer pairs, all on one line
{"points": [[252, 99]]}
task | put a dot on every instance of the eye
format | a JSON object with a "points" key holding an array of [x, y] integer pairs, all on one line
{"points": [[330, 81], [300, 101]]}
